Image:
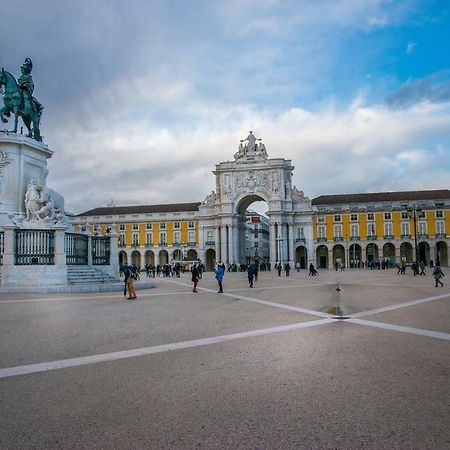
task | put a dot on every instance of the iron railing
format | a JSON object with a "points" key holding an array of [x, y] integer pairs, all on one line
{"points": [[76, 248], [101, 250], [34, 247]]}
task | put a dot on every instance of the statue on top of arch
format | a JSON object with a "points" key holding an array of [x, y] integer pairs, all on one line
{"points": [[249, 148]]}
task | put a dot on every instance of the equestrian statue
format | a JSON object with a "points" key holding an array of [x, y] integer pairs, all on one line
{"points": [[18, 99]]}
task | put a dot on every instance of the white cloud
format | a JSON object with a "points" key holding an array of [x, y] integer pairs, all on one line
{"points": [[132, 159]]}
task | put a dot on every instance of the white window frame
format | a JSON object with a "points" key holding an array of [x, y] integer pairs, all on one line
{"points": [[405, 228], [321, 233], [135, 239]]}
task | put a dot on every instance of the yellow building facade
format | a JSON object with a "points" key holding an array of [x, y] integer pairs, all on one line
{"points": [[358, 229], [353, 230], [147, 234]]}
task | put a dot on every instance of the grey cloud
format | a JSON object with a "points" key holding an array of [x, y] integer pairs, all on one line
{"points": [[434, 88]]}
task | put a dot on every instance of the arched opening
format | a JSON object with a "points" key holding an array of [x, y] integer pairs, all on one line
{"points": [[372, 252], [163, 257], [322, 257], [424, 252], [251, 232], [406, 252], [301, 256], [123, 258], [177, 255], [389, 254], [210, 259], [355, 255], [441, 253], [192, 255], [136, 258], [149, 257], [339, 256]]}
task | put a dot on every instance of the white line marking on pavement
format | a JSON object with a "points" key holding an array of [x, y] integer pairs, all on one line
{"points": [[105, 357], [283, 286], [263, 302], [399, 305], [402, 329], [61, 299]]}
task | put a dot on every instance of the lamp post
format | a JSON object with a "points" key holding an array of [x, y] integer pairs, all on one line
{"points": [[412, 212]]}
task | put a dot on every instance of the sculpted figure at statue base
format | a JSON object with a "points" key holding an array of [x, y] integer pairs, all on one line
{"points": [[42, 203]]}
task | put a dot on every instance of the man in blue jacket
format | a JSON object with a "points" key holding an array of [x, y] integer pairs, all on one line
{"points": [[220, 273]]}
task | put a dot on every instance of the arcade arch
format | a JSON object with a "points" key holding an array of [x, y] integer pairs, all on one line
{"points": [[210, 259], [424, 252], [149, 257], [136, 258], [372, 252], [406, 252], [322, 257], [389, 252], [339, 255], [355, 253], [123, 258], [163, 257], [192, 255], [301, 256], [442, 253]]}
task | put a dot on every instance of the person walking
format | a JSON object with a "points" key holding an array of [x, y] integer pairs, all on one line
{"points": [[279, 269], [220, 273], [287, 268], [438, 274], [195, 277], [129, 282], [250, 274], [297, 266], [422, 268]]}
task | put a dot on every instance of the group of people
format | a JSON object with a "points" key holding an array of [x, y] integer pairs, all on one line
{"points": [[131, 273]]}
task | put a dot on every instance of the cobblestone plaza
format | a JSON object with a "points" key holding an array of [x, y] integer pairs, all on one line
{"points": [[267, 367]]}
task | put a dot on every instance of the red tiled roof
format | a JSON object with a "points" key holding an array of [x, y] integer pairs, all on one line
{"points": [[374, 197], [141, 209]]}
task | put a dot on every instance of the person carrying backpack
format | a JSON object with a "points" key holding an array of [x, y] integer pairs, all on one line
{"points": [[129, 283]]}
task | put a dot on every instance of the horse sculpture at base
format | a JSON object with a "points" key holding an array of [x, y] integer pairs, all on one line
{"points": [[18, 100]]}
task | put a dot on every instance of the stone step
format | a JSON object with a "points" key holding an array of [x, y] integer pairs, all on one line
{"points": [[88, 275]]}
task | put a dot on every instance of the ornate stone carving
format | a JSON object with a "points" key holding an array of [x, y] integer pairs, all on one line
{"points": [[210, 199], [298, 195], [42, 203], [252, 181], [250, 149], [3, 163]]}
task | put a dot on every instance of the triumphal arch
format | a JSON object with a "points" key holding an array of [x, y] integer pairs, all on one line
{"points": [[253, 176]]}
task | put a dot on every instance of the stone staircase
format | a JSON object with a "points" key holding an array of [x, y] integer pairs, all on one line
{"points": [[79, 275]]}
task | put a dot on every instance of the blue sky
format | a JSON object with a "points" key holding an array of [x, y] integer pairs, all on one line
{"points": [[142, 98]]}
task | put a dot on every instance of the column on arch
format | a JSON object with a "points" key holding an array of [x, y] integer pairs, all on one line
{"points": [[291, 243], [223, 244], [330, 258], [217, 243], [272, 243]]}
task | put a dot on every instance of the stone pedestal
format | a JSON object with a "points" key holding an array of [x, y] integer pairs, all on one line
{"points": [[21, 160], [33, 275]]}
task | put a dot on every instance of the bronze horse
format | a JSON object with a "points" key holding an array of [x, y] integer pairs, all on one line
{"points": [[14, 103]]}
